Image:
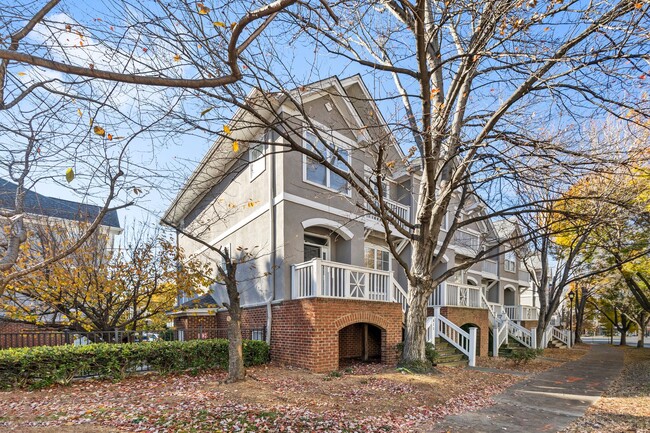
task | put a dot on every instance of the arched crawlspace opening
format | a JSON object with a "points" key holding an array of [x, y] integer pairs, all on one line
{"points": [[360, 342], [466, 327]]}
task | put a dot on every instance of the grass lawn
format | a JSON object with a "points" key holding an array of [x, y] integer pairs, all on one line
{"points": [[365, 398], [625, 407]]}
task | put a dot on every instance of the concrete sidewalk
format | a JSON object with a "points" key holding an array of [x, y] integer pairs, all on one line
{"points": [[547, 402]]}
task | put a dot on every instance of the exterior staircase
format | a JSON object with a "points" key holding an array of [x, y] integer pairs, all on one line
{"points": [[449, 356], [554, 343], [511, 345]]}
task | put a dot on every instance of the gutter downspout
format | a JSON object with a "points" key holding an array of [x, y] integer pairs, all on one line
{"points": [[272, 233]]}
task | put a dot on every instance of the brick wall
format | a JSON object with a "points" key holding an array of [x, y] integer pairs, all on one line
{"points": [[351, 341], [14, 334], [475, 316], [305, 332]]}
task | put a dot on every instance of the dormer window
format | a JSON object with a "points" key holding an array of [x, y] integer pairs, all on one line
{"points": [[317, 173]]}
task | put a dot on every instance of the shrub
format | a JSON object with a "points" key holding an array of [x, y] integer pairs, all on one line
{"points": [[430, 354], [38, 367], [524, 355]]}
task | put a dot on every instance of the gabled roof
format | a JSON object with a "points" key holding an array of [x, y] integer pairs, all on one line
{"points": [[38, 204], [505, 227], [205, 301], [216, 162]]}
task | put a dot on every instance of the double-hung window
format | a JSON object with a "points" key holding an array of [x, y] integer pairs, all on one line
{"points": [[317, 173], [510, 261], [377, 258], [257, 157]]}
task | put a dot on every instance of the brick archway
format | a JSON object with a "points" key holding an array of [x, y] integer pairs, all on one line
{"points": [[361, 317]]}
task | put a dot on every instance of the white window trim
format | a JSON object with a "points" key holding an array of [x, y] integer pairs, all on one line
{"points": [[508, 264], [261, 161], [336, 143], [379, 248], [324, 248]]}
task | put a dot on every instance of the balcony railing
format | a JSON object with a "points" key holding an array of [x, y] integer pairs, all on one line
{"points": [[401, 210], [456, 295], [320, 278], [490, 267], [469, 241], [522, 312], [524, 275]]}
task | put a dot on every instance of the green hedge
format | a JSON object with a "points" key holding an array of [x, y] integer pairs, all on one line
{"points": [[38, 367]]}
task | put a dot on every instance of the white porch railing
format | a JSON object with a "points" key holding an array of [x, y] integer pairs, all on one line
{"points": [[457, 295], [465, 342], [321, 278], [468, 241], [522, 312], [401, 210], [490, 267]]}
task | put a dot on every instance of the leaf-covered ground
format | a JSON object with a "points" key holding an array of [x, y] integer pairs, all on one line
{"points": [[625, 407], [366, 398]]}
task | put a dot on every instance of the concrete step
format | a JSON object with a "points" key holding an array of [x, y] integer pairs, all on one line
{"points": [[463, 363], [450, 358]]}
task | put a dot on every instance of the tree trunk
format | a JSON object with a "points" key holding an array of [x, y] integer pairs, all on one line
{"points": [[623, 341], [236, 370], [415, 334], [643, 324], [541, 328]]}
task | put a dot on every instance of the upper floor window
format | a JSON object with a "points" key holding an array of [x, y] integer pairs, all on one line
{"points": [[377, 258], [256, 157], [317, 173], [510, 261]]}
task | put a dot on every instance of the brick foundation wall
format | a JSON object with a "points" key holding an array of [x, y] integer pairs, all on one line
{"points": [[305, 332], [476, 316]]}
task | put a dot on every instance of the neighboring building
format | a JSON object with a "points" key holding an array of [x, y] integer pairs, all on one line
{"points": [[43, 213], [334, 289]]}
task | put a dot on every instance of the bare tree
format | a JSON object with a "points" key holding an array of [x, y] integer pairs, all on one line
{"points": [[488, 93], [228, 275]]}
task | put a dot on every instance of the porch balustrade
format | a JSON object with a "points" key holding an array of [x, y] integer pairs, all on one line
{"points": [[522, 312], [322, 278], [456, 295], [401, 210]]}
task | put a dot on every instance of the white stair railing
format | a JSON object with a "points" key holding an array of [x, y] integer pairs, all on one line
{"points": [[499, 336], [464, 341], [563, 335], [522, 335]]}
